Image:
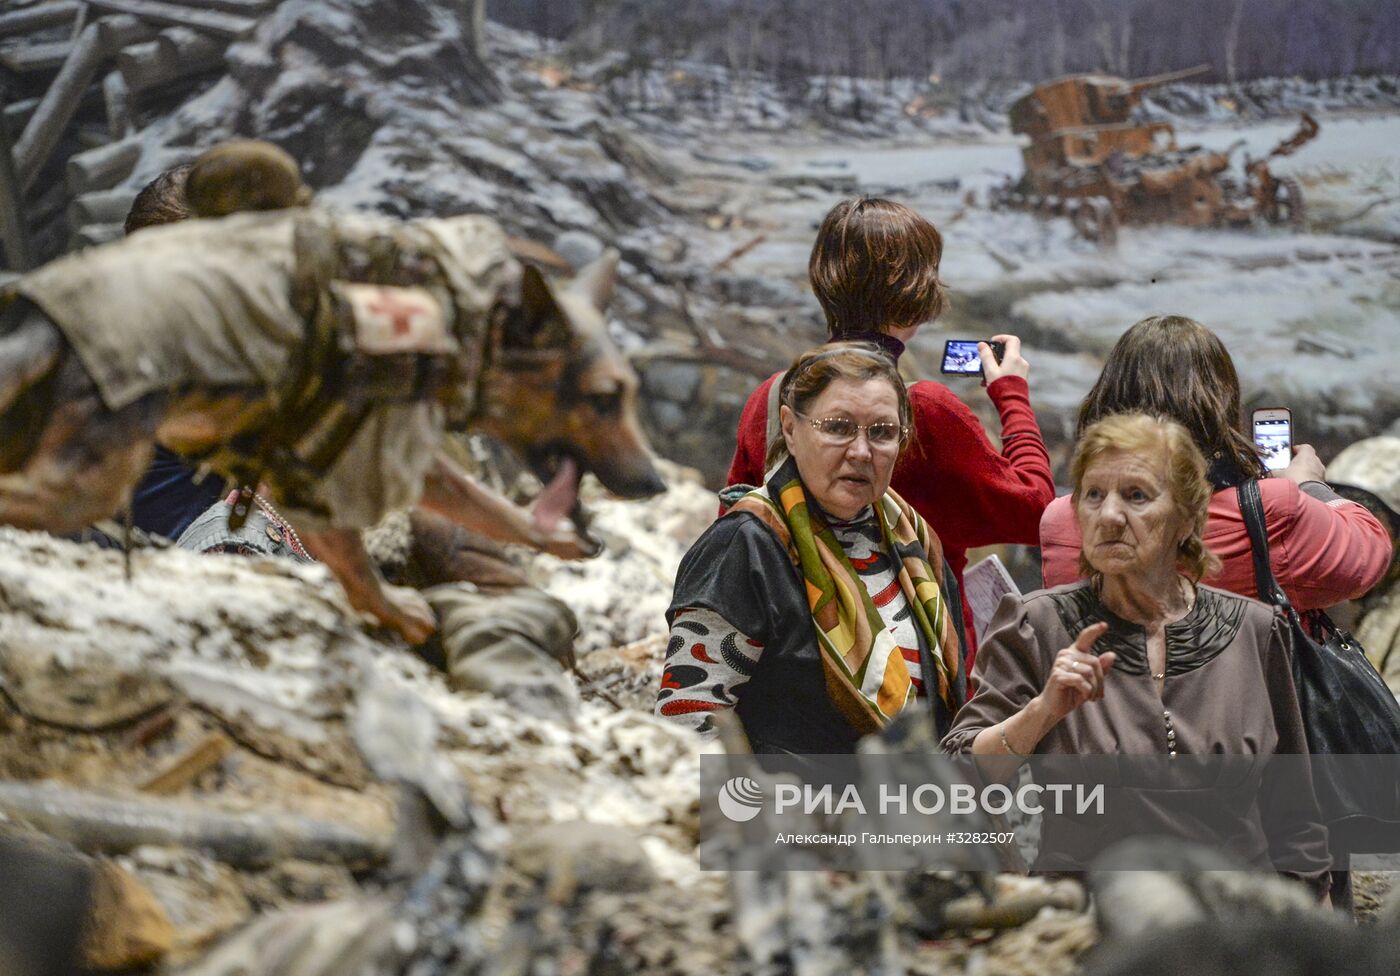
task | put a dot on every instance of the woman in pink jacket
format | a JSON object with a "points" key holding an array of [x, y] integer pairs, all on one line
{"points": [[1324, 549]]}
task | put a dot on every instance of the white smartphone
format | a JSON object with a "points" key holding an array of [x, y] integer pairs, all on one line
{"points": [[1273, 432]]}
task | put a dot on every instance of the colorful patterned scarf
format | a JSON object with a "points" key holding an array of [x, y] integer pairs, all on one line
{"points": [[865, 672]]}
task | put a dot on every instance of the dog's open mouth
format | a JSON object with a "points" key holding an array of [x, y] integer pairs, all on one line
{"points": [[559, 496], [560, 473]]}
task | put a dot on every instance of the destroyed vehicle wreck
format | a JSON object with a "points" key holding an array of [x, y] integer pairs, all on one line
{"points": [[1088, 160]]}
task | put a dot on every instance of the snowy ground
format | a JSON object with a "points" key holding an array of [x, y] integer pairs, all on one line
{"points": [[1310, 316]]}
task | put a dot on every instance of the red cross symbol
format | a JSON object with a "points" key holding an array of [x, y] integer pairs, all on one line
{"points": [[386, 302]]}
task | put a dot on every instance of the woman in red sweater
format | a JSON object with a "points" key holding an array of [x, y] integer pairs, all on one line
{"points": [[874, 269], [1323, 549]]}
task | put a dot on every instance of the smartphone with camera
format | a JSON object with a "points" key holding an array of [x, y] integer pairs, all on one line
{"points": [[960, 356], [1273, 432]]}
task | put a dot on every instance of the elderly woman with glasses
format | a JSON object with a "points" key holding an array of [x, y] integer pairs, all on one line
{"points": [[815, 607]]}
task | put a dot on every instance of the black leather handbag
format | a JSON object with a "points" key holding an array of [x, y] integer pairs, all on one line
{"points": [[1347, 708]]}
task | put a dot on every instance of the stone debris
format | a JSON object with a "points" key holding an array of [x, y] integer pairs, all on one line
{"points": [[1191, 885], [127, 927]]}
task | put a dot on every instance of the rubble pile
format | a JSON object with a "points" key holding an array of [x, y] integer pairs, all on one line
{"points": [[268, 786], [112, 690]]}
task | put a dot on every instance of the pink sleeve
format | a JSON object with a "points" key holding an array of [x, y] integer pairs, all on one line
{"points": [[1060, 543], [1323, 552]]}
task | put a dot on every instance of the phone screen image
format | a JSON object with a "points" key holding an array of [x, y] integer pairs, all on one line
{"points": [[960, 356], [1275, 439]]}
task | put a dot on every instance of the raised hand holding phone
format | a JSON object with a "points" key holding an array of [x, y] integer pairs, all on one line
{"points": [[1273, 433], [1305, 466], [1006, 361]]}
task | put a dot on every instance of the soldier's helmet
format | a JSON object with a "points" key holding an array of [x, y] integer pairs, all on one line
{"points": [[1373, 466]]}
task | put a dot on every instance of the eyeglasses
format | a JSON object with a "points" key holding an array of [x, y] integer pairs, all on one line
{"points": [[839, 431]]}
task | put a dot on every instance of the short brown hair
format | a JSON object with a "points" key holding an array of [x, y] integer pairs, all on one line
{"points": [[874, 267], [1138, 433], [161, 201], [1176, 367], [815, 370]]}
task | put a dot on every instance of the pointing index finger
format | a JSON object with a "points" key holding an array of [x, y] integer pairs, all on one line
{"points": [[1084, 643]]}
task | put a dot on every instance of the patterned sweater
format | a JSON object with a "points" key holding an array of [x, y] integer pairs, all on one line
{"points": [[708, 659]]}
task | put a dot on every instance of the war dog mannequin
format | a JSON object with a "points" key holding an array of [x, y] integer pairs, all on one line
{"points": [[320, 355]]}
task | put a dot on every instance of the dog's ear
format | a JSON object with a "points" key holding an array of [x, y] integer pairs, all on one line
{"points": [[539, 322], [598, 280]]}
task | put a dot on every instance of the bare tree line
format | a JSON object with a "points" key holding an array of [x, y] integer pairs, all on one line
{"points": [[969, 41]]}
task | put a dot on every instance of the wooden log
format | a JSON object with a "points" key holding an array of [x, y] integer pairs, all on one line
{"points": [[156, 12], [101, 207], [17, 113], [245, 8], [14, 229], [175, 53], [104, 167], [60, 103], [95, 234], [120, 30], [182, 46], [29, 58], [37, 18], [140, 66], [116, 98], [92, 822], [92, 136]]}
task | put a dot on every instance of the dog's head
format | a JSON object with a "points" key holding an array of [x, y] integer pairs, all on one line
{"points": [[560, 393]]}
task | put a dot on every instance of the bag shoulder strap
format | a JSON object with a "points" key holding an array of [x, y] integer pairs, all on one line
{"points": [[770, 433], [1252, 509]]}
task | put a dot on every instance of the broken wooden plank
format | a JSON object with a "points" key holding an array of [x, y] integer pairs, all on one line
{"points": [[37, 18], [104, 167], [116, 98], [740, 251], [26, 59], [170, 14], [188, 766], [189, 49], [14, 229], [60, 103]]}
